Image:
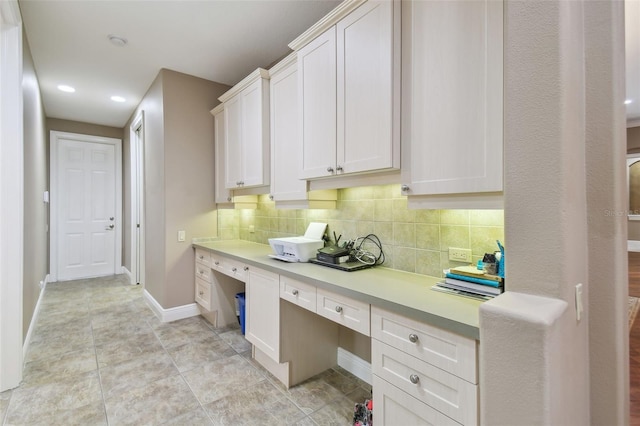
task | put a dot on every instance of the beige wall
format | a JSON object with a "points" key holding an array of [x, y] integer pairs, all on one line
{"points": [[179, 181], [189, 176], [36, 177], [61, 125]]}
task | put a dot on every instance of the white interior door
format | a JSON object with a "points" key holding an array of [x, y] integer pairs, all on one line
{"points": [[137, 199], [85, 206]]}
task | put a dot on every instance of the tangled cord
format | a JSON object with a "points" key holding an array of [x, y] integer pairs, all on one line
{"points": [[367, 257]]}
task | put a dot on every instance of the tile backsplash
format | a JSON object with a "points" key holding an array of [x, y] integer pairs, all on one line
{"points": [[413, 240]]}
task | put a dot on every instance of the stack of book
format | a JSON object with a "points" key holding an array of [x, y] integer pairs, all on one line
{"points": [[472, 281]]}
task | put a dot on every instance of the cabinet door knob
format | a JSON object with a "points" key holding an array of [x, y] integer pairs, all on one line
{"points": [[246, 268], [229, 199], [414, 379], [330, 169], [201, 292], [294, 292], [338, 168], [201, 257], [413, 338], [404, 188], [216, 263], [271, 197], [338, 309], [234, 269]]}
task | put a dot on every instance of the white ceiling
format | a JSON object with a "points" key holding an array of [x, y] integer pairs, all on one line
{"points": [[219, 40]]}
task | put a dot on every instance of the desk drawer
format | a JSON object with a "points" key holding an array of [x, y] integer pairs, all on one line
{"points": [[203, 272], [232, 268], [395, 407], [298, 293], [203, 257], [344, 310], [451, 395], [203, 293], [448, 351]]}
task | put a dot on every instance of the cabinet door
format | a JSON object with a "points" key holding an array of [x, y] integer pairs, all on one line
{"points": [[233, 143], [317, 85], [368, 83], [452, 96], [255, 134], [285, 146], [262, 311], [222, 194]]}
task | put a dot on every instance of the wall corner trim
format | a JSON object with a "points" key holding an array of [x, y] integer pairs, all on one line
{"points": [[171, 314]]}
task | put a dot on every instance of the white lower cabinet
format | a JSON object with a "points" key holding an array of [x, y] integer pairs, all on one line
{"points": [[394, 407], [262, 311], [422, 374]]}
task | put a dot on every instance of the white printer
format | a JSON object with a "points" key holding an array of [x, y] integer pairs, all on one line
{"points": [[299, 249]]}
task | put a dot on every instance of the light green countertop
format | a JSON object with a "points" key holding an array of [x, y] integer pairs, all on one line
{"points": [[401, 292]]}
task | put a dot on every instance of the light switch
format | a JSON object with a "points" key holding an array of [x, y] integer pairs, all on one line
{"points": [[579, 302], [181, 236], [45, 197]]}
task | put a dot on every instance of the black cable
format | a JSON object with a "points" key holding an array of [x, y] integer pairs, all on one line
{"points": [[367, 257]]}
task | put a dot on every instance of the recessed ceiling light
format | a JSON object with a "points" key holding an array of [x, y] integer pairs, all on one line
{"points": [[628, 101], [117, 40], [118, 99], [66, 88]]}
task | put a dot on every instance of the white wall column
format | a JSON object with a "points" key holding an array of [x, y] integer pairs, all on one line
{"points": [[11, 195], [607, 204], [534, 351]]}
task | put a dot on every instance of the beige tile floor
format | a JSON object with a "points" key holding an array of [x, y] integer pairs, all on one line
{"points": [[99, 356]]}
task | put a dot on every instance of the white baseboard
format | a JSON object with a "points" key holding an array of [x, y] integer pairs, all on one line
{"points": [[126, 272], [633, 245], [355, 365], [171, 314], [34, 318]]}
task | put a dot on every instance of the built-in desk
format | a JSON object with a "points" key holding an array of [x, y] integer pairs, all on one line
{"points": [[424, 343]]}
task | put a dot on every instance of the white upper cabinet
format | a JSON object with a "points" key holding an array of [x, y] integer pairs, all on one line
{"points": [[368, 77], [285, 149], [452, 116], [349, 82], [317, 100], [246, 122], [222, 193]]}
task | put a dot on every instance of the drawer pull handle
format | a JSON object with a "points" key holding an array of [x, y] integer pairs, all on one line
{"points": [[246, 268], [294, 292], [234, 269], [413, 338], [338, 309], [414, 379]]}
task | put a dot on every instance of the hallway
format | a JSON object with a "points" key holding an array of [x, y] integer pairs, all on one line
{"points": [[99, 356]]}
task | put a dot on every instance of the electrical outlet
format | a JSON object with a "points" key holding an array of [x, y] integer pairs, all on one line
{"points": [[459, 254]]}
